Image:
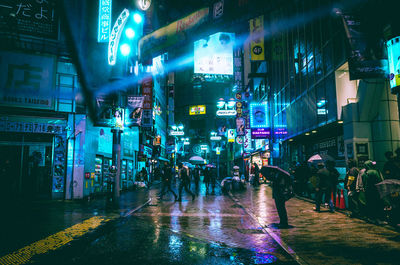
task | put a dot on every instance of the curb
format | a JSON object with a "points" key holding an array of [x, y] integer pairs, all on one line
{"points": [[270, 232]]}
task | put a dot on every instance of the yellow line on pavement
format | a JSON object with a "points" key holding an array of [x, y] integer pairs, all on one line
{"points": [[53, 242]]}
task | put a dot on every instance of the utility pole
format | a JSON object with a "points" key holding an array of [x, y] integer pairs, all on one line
{"points": [[116, 160]]}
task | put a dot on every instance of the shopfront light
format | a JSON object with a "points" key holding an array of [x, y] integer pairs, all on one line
{"points": [[130, 33], [180, 127]]}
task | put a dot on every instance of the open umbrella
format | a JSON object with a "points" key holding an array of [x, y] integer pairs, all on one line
{"points": [[320, 158], [196, 160], [210, 165], [269, 170], [388, 186]]}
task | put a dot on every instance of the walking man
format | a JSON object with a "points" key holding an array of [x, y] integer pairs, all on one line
{"points": [[196, 177], [166, 182], [184, 181], [323, 187]]}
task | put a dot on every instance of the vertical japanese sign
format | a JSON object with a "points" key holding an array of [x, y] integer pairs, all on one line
{"points": [[32, 17], [247, 141], [26, 80], [147, 92], [105, 7], [238, 69], [257, 38]]}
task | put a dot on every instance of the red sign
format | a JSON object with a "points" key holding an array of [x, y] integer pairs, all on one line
{"points": [[147, 92]]}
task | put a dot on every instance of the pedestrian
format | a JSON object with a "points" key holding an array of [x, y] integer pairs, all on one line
{"points": [[350, 184], [256, 172], [390, 169], [373, 204], [334, 178], [213, 180], [207, 180], [166, 182], [196, 177], [184, 181], [302, 174], [145, 177], [282, 191], [323, 187]]}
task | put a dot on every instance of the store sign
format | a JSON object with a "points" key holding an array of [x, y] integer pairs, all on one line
{"points": [[214, 55], [260, 133], [240, 126], [226, 112], [215, 138], [146, 151], [27, 80], [197, 110], [280, 132], [247, 141], [105, 7], [157, 140], [239, 139], [115, 36], [231, 135], [218, 151], [170, 35], [203, 147], [147, 92], [258, 115], [31, 127], [38, 18], [393, 48], [177, 133], [257, 39]]}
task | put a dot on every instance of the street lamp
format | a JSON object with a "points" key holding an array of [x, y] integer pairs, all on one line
{"points": [[125, 49], [130, 33]]}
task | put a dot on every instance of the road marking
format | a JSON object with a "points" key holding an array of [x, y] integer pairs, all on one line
{"points": [[53, 242], [270, 232], [179, 214]]}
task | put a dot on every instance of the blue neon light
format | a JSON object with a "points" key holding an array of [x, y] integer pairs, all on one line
{"points": [[105, 8], [259, 115]]}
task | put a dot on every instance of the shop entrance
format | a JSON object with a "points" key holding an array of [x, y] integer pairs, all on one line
{"points": [[25, 166]]}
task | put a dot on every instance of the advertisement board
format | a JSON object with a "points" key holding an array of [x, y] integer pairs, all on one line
{"points": [[214, 55], [133, 114], [258, 115], [27, 80], [105, 7], [260, 133], [257, 39], [197, 110], [231, 135], [393, 48], [240, 126]]}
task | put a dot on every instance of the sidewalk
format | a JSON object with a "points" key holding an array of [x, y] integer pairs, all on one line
{"points": [[323, 238], [23, 224]]}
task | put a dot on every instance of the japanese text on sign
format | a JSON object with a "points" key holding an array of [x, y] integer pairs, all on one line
{"points": [[104, 20]]}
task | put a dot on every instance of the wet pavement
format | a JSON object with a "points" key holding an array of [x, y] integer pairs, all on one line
{"points": [[213, 229]]}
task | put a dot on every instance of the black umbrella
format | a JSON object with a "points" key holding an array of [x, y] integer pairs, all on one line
{"points": [[269, 171], [388, 186]]}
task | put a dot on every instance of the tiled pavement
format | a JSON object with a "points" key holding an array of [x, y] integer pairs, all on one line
{"points": [[324, 238]]}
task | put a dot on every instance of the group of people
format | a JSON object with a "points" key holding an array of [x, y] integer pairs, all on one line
{"points": [[364, 199], [185, 176]]}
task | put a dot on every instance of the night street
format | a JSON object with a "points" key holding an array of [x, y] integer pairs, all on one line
{"points": [[199, 132], [211, 230]]}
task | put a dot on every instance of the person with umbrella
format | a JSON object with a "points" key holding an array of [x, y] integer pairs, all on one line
{"points": [[282, 190], [184, 181]]}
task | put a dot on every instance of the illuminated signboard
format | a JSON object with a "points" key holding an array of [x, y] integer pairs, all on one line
{"points": [[203, 147], [197, 110], [218, 150], [231, 135], [393, 48], [226, 112], [143, 4], [215, 138], [214, 55], [104, 20], [177, 133], [260, 133], [258, 115], [115, 36]]}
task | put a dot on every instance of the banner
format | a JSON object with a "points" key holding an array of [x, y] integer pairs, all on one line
{"points": [[133, 115], [257, 39], [105, 7], [240, 126], [147, 92]]}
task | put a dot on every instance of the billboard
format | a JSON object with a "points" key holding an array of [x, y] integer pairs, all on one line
{"points": [[260, 133], [214, 55], [197, 110], [240, 126], [257, 38], [258, 115], [133, 114], [393, 48]]}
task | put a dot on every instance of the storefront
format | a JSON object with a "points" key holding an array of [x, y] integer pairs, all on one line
{"points": [[33, 156]]}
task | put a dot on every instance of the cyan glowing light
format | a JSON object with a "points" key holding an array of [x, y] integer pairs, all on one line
{"points": [[321, 103], [180, 127], [125, 49], [130, 33], [220, 104], [137, 18], [173, 127]]}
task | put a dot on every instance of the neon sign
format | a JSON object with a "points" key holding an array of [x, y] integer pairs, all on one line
{"points": [[258, 115], [226, 112], [115, 36], [105, 7]]}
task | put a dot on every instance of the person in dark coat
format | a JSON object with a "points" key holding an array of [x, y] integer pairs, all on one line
{"points": [[350, 184], [282, 190], [207, 180], [323, 187], [213, 179], [256, 172], [196, 177], [184, 181], [334, 178], [166, 182]]}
